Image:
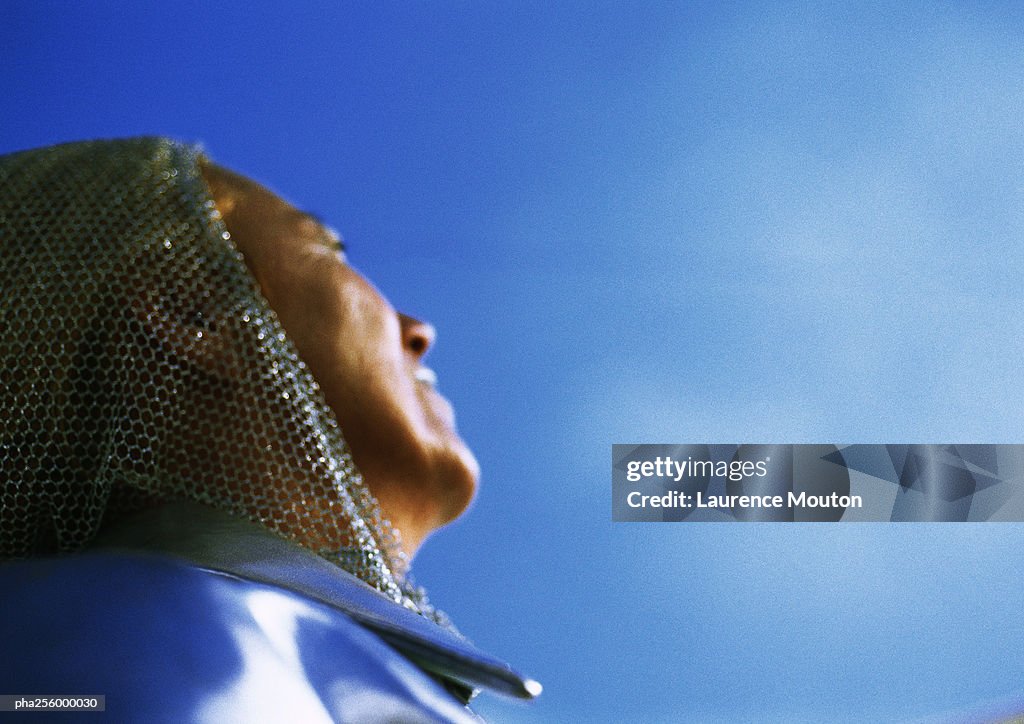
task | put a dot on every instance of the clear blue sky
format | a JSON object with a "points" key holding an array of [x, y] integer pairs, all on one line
{"points": [[644, 222]]}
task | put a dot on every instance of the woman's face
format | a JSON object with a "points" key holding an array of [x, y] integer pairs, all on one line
{"points": [[367, 358]]}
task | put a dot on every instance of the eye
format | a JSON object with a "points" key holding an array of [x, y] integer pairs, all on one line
{"points": [[337, 240], [340, 247], [328, 231]]}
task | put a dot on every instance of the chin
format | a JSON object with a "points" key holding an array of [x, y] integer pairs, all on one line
{"points": [[461, 481], [421, 485]]}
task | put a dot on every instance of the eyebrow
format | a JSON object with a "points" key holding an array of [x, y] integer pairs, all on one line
{"points": [[311, 216], [330, 230]]}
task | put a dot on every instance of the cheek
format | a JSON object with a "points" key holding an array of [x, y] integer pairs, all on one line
{"points": [[350, 338], [328, 314], [353, 346], [362, 332]]}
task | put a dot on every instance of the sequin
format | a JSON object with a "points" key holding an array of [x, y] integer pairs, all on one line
{"points": [[117, 394]]}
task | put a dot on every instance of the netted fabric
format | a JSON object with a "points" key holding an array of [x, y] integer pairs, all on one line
{"points": [[139, 363]]}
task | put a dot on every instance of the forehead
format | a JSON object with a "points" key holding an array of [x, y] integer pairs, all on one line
{"points": [[257, 217], [233, 192]]}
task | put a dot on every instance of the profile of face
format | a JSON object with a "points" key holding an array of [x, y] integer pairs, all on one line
{"points": [[366, 357]]}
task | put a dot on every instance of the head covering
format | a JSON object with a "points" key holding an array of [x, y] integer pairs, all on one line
{"points": [[139, 363]]}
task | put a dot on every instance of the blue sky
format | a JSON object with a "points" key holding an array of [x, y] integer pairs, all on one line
{"points": [[659, 222]]}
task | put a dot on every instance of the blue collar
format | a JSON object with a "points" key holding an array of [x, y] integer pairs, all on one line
{"points": [[219, 542]]}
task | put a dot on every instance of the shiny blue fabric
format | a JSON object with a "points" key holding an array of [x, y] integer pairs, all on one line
{"points": [[166, 641]]}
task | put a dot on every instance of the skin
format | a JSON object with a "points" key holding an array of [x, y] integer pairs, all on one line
{"points": [[363, 353]]}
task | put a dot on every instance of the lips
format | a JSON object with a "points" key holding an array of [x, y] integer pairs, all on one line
{"points": [[437, 406], [425, 375]]}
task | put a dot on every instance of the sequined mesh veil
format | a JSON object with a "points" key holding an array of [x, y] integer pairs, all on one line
{"points": [[140, 363]]}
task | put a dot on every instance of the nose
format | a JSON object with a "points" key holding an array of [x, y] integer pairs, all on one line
{"points": [[417, 336]]}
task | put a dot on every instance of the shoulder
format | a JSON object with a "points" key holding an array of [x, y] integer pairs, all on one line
{"points": [[165, 640]]}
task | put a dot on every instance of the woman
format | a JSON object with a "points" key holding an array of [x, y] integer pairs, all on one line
{"points": [[179, 348]]}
